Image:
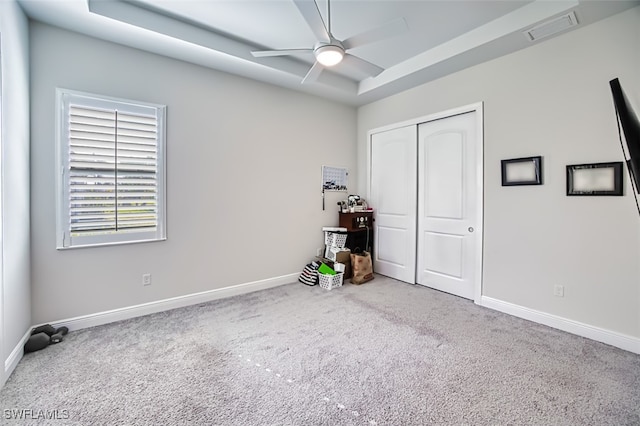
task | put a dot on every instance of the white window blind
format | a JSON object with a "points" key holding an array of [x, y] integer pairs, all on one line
{"points": [[112, 177]]}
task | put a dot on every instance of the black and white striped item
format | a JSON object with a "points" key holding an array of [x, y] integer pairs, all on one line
{"points": [[309, 275]]}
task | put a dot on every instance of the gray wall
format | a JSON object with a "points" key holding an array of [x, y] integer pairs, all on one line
{"points": [[244, 161], [15, 292], [552, 99]]}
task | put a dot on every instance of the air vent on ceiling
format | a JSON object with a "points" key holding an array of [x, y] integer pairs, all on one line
{"points": [[551, 27]]}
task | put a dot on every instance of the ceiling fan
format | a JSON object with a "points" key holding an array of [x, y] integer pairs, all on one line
{"points": [[330, 51]]}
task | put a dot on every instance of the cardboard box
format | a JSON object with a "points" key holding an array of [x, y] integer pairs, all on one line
{"points": [[340, 255], [344, 256], [331, 252]]}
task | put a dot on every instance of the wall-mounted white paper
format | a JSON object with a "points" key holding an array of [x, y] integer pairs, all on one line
{"points": [[334, 178]]}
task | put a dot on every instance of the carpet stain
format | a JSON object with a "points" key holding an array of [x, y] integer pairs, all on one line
{"points": [[398, 320]]}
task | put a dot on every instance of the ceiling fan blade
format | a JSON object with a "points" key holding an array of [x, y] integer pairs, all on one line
{"points": [[313, 73], [362, 65], [311, 14], [388, 30], [281, 52]]}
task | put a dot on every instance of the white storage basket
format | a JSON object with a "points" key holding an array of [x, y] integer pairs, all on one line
{"points": [[331, 252], [329, 282], [335, 239]]}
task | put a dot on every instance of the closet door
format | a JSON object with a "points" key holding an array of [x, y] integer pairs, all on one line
{"points": [[393, 197], [449, 243]]}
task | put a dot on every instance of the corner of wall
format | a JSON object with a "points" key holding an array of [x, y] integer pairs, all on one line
{"points": [[15, 240]]}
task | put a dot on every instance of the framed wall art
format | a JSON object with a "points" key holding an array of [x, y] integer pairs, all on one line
{"points": [[522, 171], [595, 179]]}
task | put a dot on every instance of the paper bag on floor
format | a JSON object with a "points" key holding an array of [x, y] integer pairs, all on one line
{"points": [[361, 267]]}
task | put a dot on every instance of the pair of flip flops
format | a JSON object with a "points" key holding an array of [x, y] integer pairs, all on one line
{"points": [[43, 336]]}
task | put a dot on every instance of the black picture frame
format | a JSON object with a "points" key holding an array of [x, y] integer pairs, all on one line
{"points": [[595, 179], [522, 171]]}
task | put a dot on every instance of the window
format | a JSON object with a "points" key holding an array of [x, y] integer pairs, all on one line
{"points": [[111, 179]]}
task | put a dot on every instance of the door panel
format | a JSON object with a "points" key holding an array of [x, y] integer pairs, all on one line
{"points": [[443, 175], [443, 254], [391, 247], [447, 166], [391, 153], [393, 197]]}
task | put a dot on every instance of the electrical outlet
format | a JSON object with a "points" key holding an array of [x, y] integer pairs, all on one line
{"points": [[146, 279], [319, 252], [558, 290]]}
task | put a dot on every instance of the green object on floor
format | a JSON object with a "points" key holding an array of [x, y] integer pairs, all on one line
{"points": [[324, 269]]}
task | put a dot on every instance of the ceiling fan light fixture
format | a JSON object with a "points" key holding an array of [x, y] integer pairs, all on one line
{"points": [[329, 55]]}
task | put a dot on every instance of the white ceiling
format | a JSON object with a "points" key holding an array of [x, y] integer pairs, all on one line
{"points": [[443, 36]]}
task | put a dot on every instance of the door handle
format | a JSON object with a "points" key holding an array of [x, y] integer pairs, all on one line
{"points": [[471, 229]]}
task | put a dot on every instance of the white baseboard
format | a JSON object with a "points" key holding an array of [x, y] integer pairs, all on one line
{"points": [[622, 341], [106, 317], [120, 314], [16, 355]]}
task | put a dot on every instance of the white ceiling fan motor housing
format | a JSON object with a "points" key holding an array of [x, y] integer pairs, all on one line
{"points": [[329, 54]]}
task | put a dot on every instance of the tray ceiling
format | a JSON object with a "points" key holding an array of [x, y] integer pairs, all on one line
{"points": [[443, 36]]}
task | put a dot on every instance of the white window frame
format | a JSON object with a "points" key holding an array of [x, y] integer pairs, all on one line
{"points": [[65, 239]]}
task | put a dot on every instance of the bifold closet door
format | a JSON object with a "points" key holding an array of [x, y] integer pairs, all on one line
{"points": [[393, 197], [448, 243]]}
